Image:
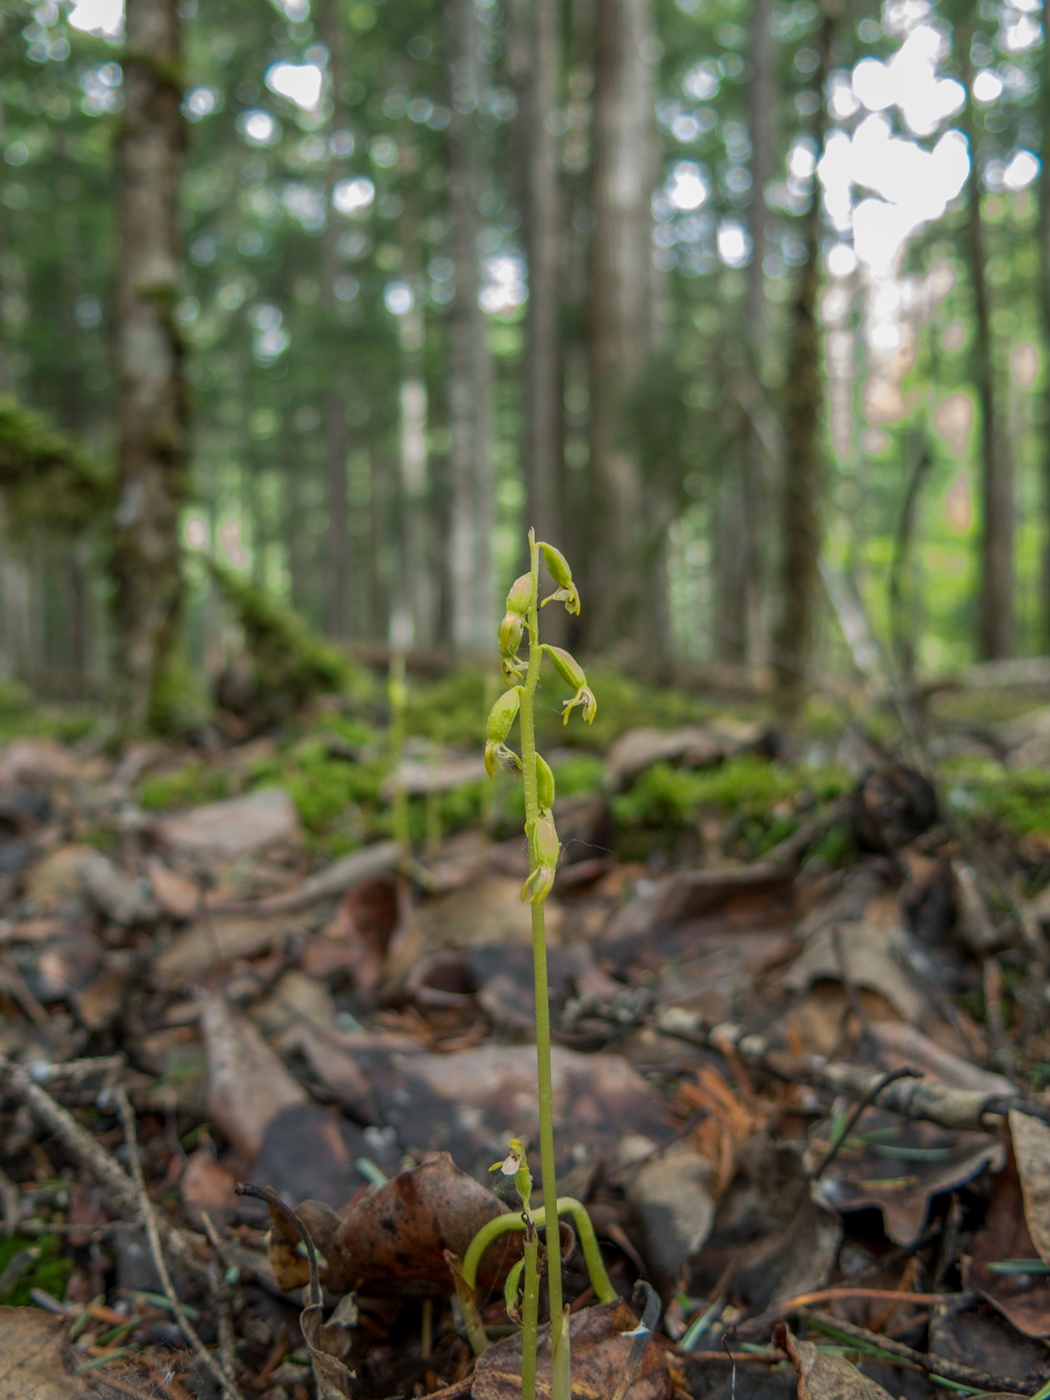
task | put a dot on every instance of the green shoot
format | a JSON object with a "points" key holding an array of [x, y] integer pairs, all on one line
{"points": [[522, 679]]}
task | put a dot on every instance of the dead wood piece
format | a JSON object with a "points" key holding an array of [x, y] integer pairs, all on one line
{"points": [[148, 1217], [335, 880], [961, 1109], [926, 1361], [107, 1171]]}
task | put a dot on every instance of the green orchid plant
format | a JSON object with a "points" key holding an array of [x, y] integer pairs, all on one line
{"points": [[522, 678]]}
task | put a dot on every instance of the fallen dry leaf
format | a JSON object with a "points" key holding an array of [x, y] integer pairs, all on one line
{"points": [[207, 1187], [393, 1241], [32, 1357], [870, 954], [218, 938], [233, 827], [1031, 1141], [600, 1347], [175, 894], [672, 1203], [905, 1045], [1024, 1299], [899, 1167], [822, 1376], [770, 1241], [247, 1084]]}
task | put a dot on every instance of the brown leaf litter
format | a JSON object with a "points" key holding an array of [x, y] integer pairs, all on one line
{"points": [[730, 1100]]}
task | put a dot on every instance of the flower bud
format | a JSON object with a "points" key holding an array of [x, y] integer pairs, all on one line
{"points": [[557, 566], [510, 633], [587, 703], [522, 592], [539, 885], [498, 756], [544, 783], [545, 841], [502, 715], [566, 665]]}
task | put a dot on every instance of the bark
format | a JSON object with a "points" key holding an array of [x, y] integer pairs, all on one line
{"points": [[1044, 297], [542, 201], [152, 453], [758, 466], [470, 376], [995, 627], [621, 323], [336, 436], [995, 616], [800, 527]]}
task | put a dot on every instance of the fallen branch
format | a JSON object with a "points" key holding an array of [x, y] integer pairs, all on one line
{"points": [[329, 883], [929, 1362], [149, 1220], [972, 1110], [16, 1081]]}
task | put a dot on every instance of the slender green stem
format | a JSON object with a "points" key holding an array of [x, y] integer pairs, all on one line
{"points": [[567, 1205], [539, 956], [530, 1310]]}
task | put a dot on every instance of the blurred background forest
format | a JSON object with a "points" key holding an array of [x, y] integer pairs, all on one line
{"points": [[309, 308]]}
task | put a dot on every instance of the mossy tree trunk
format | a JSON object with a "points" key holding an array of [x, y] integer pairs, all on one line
{"points": [[152, 454], [1044, 296], [472, 606], [803, 479], [995, 620], [336, 434]]}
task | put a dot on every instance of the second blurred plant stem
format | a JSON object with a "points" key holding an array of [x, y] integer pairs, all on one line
{"points": [[397, 693]]}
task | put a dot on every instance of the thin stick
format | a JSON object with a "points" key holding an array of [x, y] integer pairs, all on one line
{"points": [[106, 1170], [149, 1220], [905, 1072], [832, 1295], [931, 1364]]}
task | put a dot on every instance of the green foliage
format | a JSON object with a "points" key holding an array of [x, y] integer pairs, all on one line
{"points": [[48, 479], [761, 802], [189, 786], [450, 710], [1017, 800], [180, 700], [48, 1269]]}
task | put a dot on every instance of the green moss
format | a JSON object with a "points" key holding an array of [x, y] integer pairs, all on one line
{"points": [[1018, 800], [48, 1269], [190, 786], [180, 700], [49, 481], [451, 710], [757, 799], [67, 723], [623, 703]]}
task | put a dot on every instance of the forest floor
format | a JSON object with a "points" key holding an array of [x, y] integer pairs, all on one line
{"points": [[802, 1052]]}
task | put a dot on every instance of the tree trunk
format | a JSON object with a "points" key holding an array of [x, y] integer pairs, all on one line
{"points": [[543, 408], [152, 453], [621, 326], [995, 626], [800, 528], [1044, 293], [335, 428], [470, 377], [758, 469]]}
